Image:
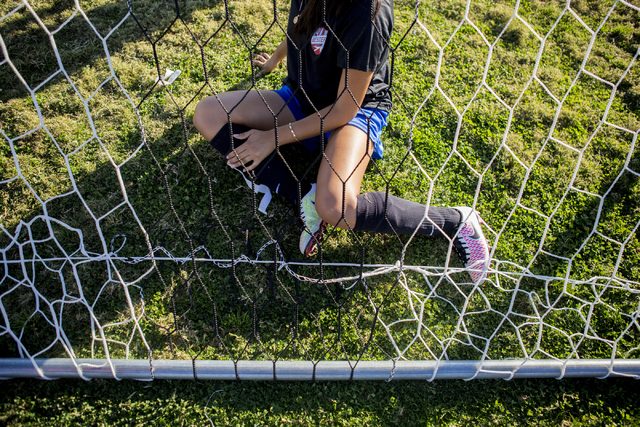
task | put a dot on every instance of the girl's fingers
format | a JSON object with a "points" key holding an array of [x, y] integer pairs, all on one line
{"points": [[261, 59], [241, 159], [247, 165], [243, 135], [238, 158], [250, 153], [235, 163]]}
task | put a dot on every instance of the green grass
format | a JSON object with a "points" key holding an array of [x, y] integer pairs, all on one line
{"points": [[452, 403], [509, 151]]}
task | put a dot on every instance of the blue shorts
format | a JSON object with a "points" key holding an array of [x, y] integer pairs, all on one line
{"points": [[368, 120]]}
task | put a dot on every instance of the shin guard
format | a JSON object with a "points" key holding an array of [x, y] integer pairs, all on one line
{"points": [[388, 214]]}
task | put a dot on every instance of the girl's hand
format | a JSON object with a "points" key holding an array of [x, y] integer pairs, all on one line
{"points": [[265, 62], [258, 145]]}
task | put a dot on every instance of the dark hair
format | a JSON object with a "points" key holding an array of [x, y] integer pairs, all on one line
{"points": [[311, 14]]}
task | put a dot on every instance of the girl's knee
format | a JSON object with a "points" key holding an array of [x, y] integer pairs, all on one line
{"points": [[200, 115], [334, 210], [329, 213], [205, 117]]}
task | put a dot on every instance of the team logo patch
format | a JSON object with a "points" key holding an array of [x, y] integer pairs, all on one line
{"points": [[318, 39]]}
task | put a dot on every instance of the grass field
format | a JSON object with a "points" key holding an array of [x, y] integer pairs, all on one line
{"points": [[527, 117], [456, 403]]}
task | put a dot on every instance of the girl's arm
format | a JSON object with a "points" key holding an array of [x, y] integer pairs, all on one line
{"points": [[270, 63], [260, 144]]}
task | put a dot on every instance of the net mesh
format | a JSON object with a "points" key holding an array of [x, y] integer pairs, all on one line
{"points": [[124, 236]]}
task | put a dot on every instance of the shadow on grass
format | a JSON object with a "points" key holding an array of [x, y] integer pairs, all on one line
{"points": [[189, 203], [79, 43]]}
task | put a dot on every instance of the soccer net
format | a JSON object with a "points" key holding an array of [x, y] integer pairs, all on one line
{"points": [[128, 248]]}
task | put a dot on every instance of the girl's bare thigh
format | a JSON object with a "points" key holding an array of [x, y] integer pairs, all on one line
{"points": [[255, 109]]}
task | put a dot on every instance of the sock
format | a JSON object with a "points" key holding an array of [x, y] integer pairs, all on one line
{"points": [[403, 217], [272, 171]]}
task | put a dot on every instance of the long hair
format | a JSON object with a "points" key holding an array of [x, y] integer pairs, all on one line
{"points": [[311, 14]]}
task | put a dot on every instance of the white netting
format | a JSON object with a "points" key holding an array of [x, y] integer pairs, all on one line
{"points": [[123, 238]]}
